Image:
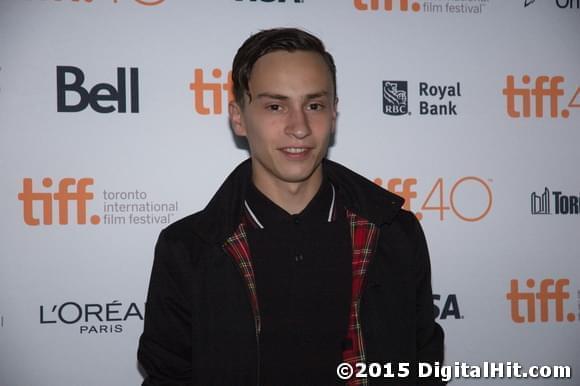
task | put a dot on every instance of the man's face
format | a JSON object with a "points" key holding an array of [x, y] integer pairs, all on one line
{"points": [[289, 117]]}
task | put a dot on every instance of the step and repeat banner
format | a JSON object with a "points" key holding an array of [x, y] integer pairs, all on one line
{"points": [[113, 124]]}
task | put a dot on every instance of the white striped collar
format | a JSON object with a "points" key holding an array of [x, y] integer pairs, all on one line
{"points": [[328, 219]]}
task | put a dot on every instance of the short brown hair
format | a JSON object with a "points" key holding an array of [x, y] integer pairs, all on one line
{"points": [[266, 41]]}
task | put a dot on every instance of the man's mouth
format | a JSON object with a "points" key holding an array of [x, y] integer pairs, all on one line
{"points": [[294, 150]]}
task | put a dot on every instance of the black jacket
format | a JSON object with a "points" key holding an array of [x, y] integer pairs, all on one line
{"points": [[199, 326]]}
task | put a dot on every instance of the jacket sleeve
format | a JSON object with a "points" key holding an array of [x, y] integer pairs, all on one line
{"points": [[429, 334], [165, 345]]}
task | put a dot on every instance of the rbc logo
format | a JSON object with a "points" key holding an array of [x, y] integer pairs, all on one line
{"points": [[99, 93], [395, 99], [63, 196]]}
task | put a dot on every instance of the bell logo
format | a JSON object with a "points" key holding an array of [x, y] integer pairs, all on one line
{"points": [[201, 89], [373, 5], [551, 291], [519, 99], [99, 93], [63, 196]]}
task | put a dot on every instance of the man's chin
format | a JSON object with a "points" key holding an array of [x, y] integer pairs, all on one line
{"points": [[301, 176]]}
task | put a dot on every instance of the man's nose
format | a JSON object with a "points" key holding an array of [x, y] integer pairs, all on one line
{"points": [[298, 125]]}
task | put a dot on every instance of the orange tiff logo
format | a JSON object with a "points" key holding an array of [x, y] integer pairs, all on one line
{"points": [[213, 90], [443, 196], [69, 190], [373, 5], [519, 99], [551, 292]]}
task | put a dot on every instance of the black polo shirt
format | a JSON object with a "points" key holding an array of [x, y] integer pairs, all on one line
{"points": [[302, 265]]}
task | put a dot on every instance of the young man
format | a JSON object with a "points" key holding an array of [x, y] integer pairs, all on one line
{"points": [[297, 264]]}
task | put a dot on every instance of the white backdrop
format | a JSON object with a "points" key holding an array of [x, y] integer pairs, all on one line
{"points": [[84, 194]]}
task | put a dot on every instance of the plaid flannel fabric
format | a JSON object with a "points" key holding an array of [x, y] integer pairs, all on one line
{"points": [[238, 247], [363, 237]]}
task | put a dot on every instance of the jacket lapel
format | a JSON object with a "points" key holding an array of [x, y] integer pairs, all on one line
{"points": [[238, 248], [364, 235]]}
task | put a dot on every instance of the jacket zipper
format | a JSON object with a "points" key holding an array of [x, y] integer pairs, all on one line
{"points": [[257, 324]]}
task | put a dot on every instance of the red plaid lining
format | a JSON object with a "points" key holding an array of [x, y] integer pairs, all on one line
{"points": [[237, 246], [363, 236]]}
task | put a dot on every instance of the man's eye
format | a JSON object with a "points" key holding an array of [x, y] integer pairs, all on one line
{"points": [[315, 106], [274, 107]]}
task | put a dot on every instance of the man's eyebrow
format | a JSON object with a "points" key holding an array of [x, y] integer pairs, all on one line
{"points": [[271, 96], [284, 97], [317, 95]]}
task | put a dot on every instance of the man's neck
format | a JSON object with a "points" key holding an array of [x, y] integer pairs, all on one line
{"points": [[293, 197]]}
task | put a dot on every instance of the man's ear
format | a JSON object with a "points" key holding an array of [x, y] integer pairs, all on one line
{"points": [[237, 119], [334, 114]]}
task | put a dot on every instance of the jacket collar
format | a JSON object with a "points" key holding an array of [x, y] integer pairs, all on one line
{"points": [[265, 213], [224, 212], [362, 196]]}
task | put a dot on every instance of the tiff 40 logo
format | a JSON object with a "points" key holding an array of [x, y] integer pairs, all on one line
{"points": [[69, 190], [541, 97], [444, 197]]}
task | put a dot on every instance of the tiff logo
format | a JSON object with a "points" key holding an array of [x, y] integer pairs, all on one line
{"points": [[519, 99], [373, 5], [201, 89], [63, 197], [395, 97], [551, 292], [540, 203]]}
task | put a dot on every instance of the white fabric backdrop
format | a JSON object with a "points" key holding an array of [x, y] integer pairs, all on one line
{"points": [[72, 295]]}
